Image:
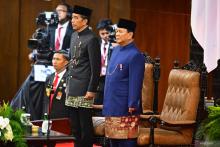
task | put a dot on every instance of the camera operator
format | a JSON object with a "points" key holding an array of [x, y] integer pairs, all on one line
{"points": [[59, 29], [61, 34]]}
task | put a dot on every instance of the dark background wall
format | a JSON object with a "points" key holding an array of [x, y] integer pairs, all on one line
{"points": [[163, 30]]}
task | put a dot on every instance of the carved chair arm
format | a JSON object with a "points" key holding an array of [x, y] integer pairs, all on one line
{"points": [[178, 123]]}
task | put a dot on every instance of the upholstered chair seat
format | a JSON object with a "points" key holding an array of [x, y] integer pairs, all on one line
{"points": [[161, 137], [99, 125], [178, 116], [148, 89], [147, 93]]}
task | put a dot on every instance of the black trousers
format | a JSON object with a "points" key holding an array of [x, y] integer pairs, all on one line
{"points": [[99, 96], [82, 126]]}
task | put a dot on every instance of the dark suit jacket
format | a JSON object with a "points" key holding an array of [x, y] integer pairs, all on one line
{"points": [[58, 110], [84, 75], [66, 40]]}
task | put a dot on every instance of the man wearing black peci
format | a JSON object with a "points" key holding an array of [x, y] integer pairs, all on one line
{"points": [[84, 74]]}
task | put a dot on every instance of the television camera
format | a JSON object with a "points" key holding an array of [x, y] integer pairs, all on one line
{"points": [[112, 31], [40, 41]]}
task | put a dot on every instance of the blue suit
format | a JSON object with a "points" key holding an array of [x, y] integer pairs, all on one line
{"points": [[124, 80]]}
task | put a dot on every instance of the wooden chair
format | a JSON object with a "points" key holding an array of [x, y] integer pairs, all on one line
{"points": [[177, 121], [150, 88], [150, 85]]}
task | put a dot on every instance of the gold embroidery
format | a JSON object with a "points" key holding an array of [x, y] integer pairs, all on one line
{"points": [[78, 101]]}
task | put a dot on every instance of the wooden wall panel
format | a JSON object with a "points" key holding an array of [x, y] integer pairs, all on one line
{"points": [[9, 28], [99, 7], [163, 30], [119, 9]]}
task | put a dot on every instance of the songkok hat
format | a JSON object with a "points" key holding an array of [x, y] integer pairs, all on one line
{"points": [[82, 11], [64, 53], [127, 24], [105, 23]]}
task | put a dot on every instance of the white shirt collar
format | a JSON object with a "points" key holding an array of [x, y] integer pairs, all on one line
{"points": [[63, 25], [61, 73]]}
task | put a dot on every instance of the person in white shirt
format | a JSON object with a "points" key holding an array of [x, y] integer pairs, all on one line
{"points": [[105, 45], [61, 34]]}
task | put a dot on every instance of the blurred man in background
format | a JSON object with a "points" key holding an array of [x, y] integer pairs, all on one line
{"points": [[105, 46]]}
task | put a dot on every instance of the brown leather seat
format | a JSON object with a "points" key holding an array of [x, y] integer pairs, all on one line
{"points": [[179, 111], [148, 89], [147, 93], [99, 125]]}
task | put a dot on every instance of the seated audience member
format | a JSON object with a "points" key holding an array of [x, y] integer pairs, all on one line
{"points": [[55, 86]]}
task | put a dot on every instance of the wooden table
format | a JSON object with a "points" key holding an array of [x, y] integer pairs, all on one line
{"points": [[41, 139]]}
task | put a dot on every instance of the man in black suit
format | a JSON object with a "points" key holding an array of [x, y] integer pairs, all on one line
{"points": [[54, 102], [60, 36], [84, 76]]}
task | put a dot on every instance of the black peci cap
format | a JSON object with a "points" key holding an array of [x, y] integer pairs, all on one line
{"points": [[64, 53], [82, 11], [105, 23], [127, 24]]}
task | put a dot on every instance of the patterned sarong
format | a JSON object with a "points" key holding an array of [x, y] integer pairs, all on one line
{"points": [[121, 127]]}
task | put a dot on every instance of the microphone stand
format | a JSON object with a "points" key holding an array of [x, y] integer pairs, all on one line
{"points": [[51, 92], [48, 115]]}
